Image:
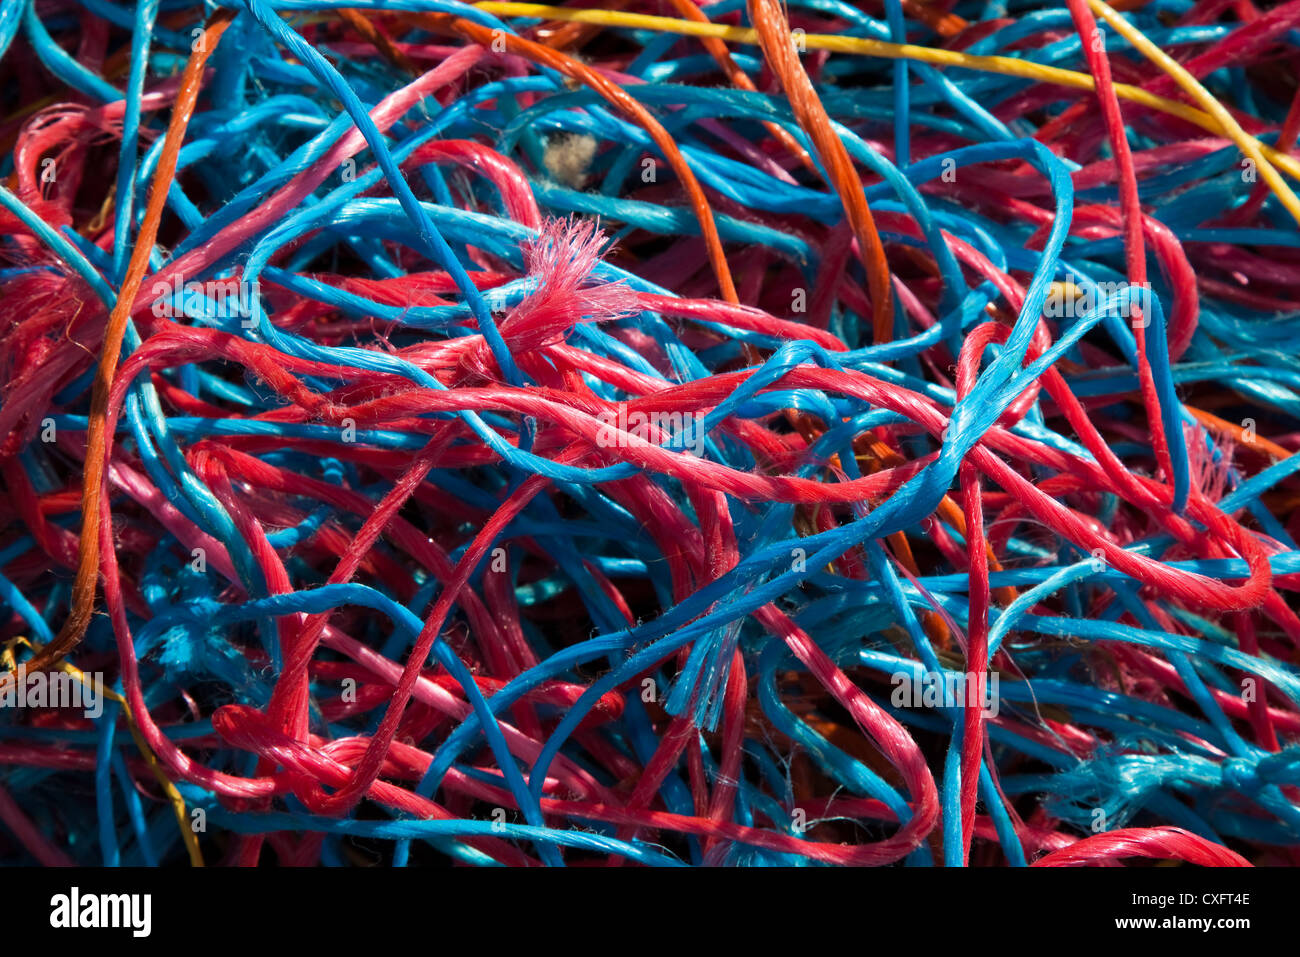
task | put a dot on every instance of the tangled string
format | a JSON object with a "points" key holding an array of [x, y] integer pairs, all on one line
{"points": [[732, 433]]}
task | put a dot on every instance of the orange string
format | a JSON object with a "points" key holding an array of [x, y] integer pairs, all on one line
{"points": [[619, 98], [740, 80], [944, 23], [778, 47], [93, 493], [378, 39], [562, 34]]}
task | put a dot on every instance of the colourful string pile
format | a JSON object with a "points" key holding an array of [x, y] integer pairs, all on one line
{"points": [[506, 434]]}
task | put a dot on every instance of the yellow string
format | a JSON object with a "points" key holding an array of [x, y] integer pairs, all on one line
{"points": [[1008, 66], [174, 797], [1231, 128]]}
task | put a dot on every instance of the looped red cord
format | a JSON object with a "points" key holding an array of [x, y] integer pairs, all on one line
{"points": [[1161, 843]]}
